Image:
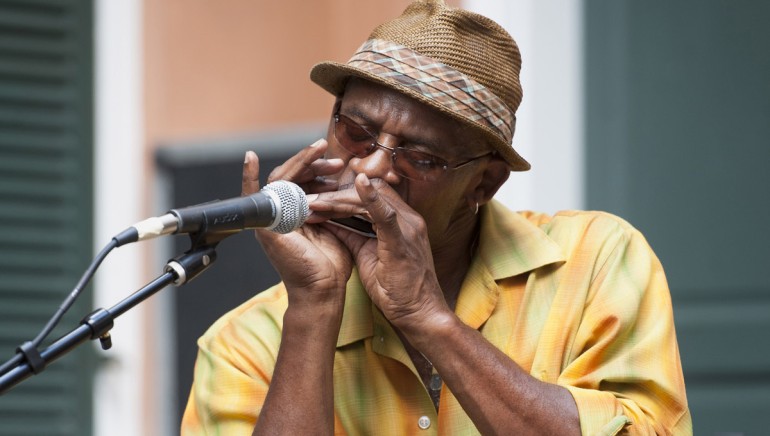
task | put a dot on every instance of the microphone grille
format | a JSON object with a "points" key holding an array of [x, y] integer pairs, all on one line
{"points": [[292, 208]]}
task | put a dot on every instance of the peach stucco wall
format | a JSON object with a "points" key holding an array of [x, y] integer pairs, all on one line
{"points": [[215, 68]]}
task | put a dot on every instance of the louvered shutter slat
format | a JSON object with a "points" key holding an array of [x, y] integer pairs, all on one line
{"points": [[46, 158]]}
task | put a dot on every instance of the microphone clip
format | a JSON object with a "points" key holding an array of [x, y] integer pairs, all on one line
{"points": [[192, 263]]}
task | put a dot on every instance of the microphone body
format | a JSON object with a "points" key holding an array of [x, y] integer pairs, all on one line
{"points": [[280, 206], [255, 211]]}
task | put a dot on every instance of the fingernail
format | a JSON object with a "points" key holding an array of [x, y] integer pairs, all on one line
{"points": [[335, 161], [364, 180], [246, 158], [317, 143], [311, 197]]}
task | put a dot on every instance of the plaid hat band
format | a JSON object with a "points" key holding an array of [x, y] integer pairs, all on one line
{"points": [[436, 81]]}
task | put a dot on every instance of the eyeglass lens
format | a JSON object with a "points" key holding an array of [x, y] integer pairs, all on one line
{"points": [[408, 163]]}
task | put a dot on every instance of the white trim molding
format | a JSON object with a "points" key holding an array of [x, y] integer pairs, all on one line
{"points": [[549, 131], [118, 203]]}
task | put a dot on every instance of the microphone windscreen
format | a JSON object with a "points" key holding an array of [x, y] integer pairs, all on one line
{"points": [[292, 207]]}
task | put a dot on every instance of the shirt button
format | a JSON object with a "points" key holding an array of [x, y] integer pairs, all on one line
{"points": [[435, 382], [423, 422]]}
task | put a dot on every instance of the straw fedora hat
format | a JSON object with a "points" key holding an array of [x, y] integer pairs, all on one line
{"points": [[458, 62]]}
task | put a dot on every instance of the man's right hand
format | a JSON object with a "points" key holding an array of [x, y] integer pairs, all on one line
{"points": [[315, 267], [313, 264]]}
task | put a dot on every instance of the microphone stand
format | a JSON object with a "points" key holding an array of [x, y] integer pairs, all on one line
{"points": [[179, 271]]}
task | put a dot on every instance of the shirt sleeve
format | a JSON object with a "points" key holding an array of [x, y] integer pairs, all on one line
{"points": [[222, 400], [233, 372], [626, 375]]}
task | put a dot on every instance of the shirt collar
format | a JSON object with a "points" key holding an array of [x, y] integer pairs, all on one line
{"points": [[357, 316], [509, 245]]}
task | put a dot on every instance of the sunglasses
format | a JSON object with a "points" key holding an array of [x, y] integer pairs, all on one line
{"points": [[407, 162]]}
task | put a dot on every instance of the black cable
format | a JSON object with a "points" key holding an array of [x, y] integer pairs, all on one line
{"points": [[70, 300], [11, 363]]}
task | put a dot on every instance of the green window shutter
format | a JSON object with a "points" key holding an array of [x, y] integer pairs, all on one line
{"points": [[46, 178], [678, 103]]}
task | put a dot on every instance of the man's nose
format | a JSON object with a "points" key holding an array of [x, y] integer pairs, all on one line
{"points": [[379, 164]]}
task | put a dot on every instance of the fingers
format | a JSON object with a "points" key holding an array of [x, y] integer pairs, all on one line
{"points": [[250, 175], [335, 204], [372, 199], [325, 167], [320, 184], [379, 208], [308, 168]]}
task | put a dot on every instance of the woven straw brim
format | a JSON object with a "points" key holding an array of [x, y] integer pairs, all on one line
{"points": [[333, 77]]}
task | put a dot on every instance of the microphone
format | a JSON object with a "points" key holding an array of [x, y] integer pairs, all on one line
{"points": [[280, 206]]}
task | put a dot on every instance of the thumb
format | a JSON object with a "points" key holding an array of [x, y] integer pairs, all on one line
{"points": [[378, 207], [250, 176]]}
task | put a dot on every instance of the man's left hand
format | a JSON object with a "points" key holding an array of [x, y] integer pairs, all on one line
{"points": [[397, 267]]}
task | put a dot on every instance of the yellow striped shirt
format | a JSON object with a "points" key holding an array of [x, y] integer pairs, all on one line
{"points": [[578, 299]]}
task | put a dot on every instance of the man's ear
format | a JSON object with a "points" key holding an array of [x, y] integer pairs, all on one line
{"points": [[335, 108], [495, 174]]}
